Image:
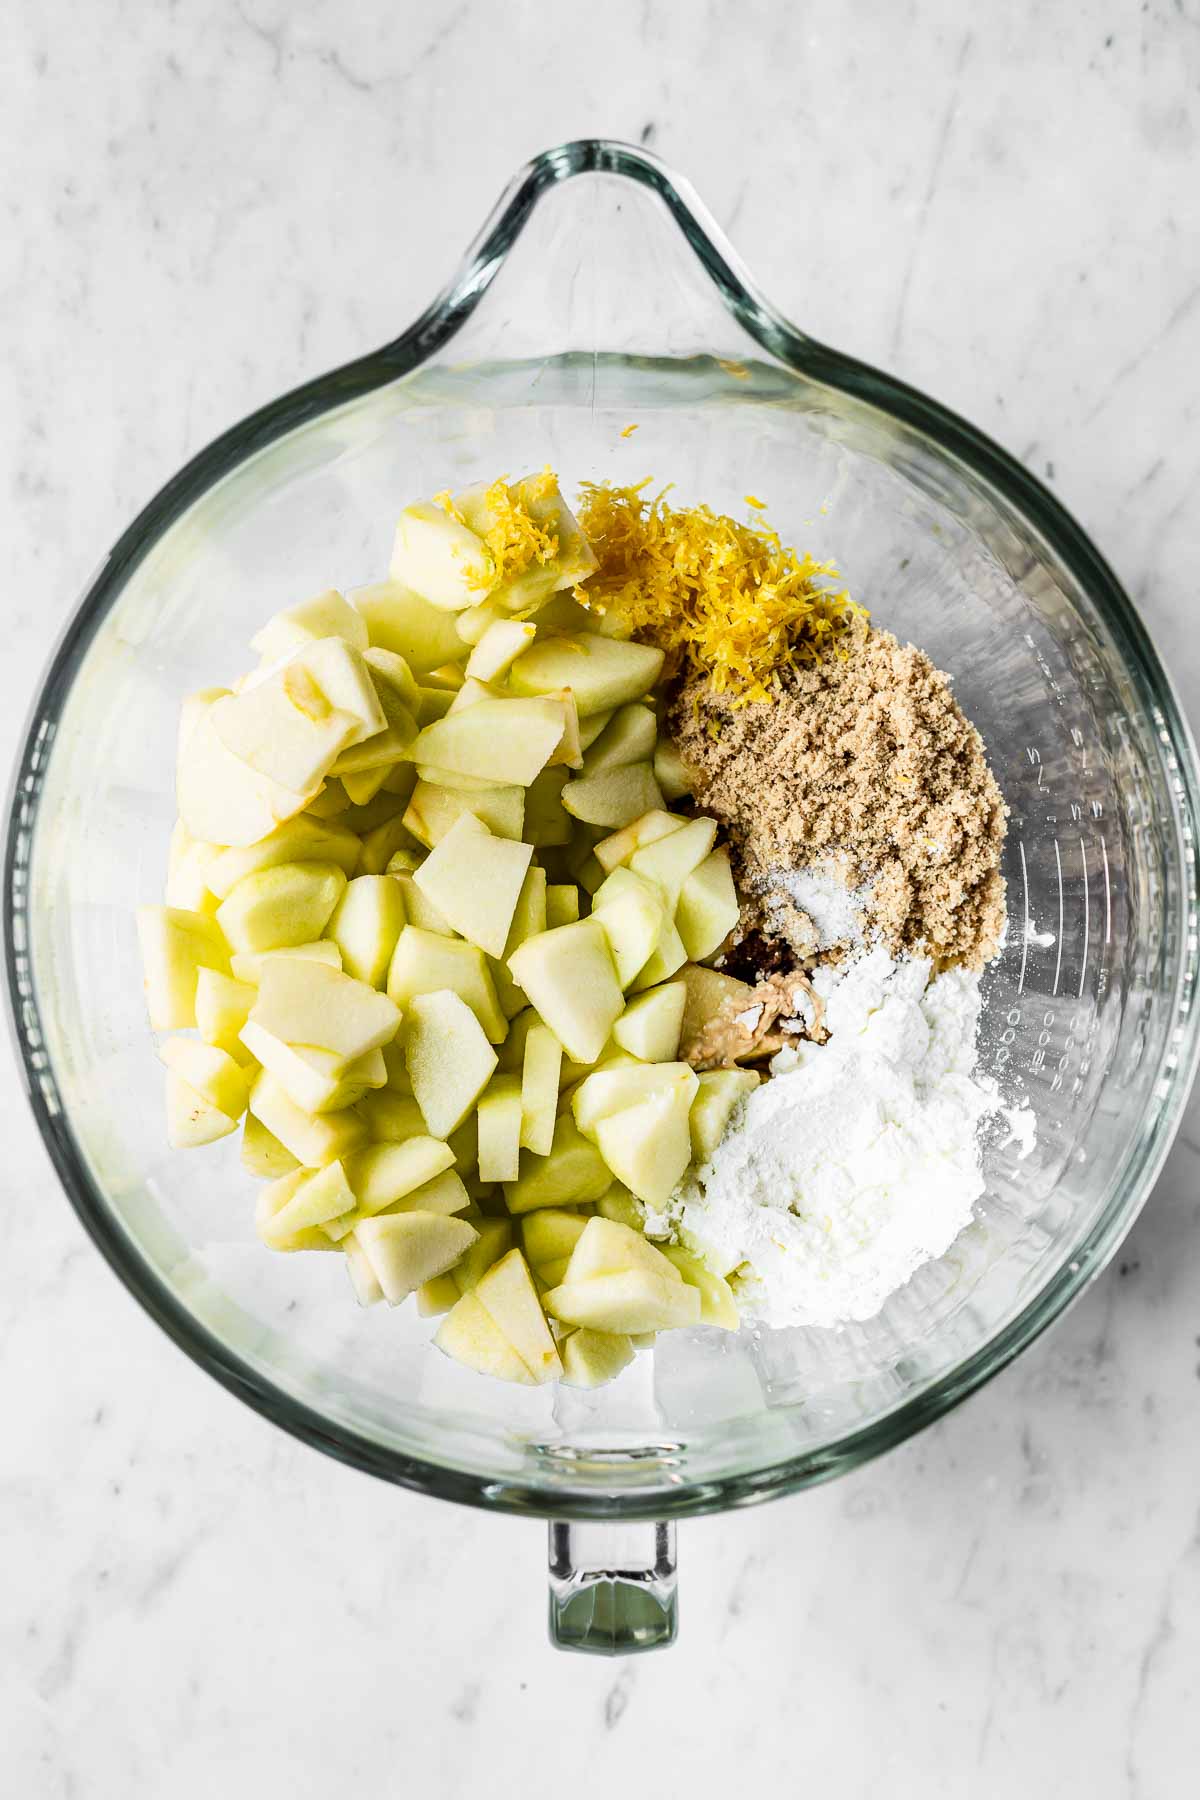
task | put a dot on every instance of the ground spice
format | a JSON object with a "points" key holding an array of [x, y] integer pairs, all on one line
{"points": [[869, 761]]}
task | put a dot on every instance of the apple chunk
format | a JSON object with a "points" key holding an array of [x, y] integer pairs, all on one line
{"points": [[613, 796], [274, 908], [407, 1249], [313, 1140], [211, 1072], [425, 963], [472, 1337], [302, 839], [285, 728], [504, 741], [650, 1025], [570, 979], [193, 1120], [600, 671], [590, 1358], [440, 558], [573, 1172], [365, 924], [633, 914], [633, 1301], [508, 1293], [309, 1003], [449, 1059], [222, 1008], [606, 1248], [649, 1146], [176, 944], [718, 1096], [399, 620], [327, 615], [708, 906], [475, 879], [222, 800]]}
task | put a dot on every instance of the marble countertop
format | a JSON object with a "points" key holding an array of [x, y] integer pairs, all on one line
{"points": [[203, 206]]}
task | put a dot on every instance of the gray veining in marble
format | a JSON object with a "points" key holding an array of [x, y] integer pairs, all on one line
{"points": [[202, 206]]}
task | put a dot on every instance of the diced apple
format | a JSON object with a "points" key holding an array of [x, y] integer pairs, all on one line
{"points": [[540, 1070], [498, 648], [601, 672], [574, 1171], [633, 1301], [493, 1242], [329, 802], [363, 787], [399, 620], [222, 1008], [665, 960], [313, 1140], [649, 1146], [607, 1248], [446, 1193], [308, 1003], [433, 809], [562, 904], [717, 1304], [614, 796], [326, 615], [569, 976], [546, 823], [382, 1174], [320, 1198], [262, 1153], [629, 737], [619, 1205], [708, 906], [617, 849], [392, 1118], [363, 1280], [425, 963], [567, 752], [192, 709], [720, 1093], [506, 740], [708, 993], [314, 1080], [572, 561], [436, 1296], [188, 864], [176, 945], [499, 1119], [633, 914], [275, 908], [303, 839], [248, 965], [471, 1336], [271, 1201], [211, 1072], [380, 844], [550, 1235], [365, 924], [440, 558], [671, 859], [407, 1249], [418, 910], [670, 771], [591, 1358], [562, 614], [508, 1294], [612, 1090], [473, 621], [450, 1061], [474, 879], [650, 1025], [285, 728], [222, 800], [193, 1121]]}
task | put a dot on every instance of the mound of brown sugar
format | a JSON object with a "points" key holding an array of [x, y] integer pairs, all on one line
{"points": [[866, 760]]}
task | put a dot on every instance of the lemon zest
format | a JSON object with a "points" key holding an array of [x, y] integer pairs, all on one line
{"points": [[726, 599], [514, 537]]}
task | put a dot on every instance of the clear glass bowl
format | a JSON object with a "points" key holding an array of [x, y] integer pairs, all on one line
{"points": [[601, 295]]}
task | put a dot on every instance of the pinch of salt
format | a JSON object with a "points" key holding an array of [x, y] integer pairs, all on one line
{"points": [[749, 1019]]}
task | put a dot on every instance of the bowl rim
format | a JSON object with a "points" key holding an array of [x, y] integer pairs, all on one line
{"points": [[796, 350]]}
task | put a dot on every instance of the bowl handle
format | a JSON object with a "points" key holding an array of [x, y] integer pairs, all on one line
{"points": [[612, 1587]]}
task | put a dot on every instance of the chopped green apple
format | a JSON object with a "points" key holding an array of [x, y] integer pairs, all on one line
{"points": [[474, 879], [303, 839], [633, 914], [314, 1080], [650, 1025], [440, 558], [498, 648], [363, 1280], [313, 1139], [550, 1235], [450, 1060], [718, 1096], [193, 1121], [649, 1146], [617, 849], [308, 1003], [278, 907], [591, 1358], [319, 1198], [562, 904], [508, 1294], [541, 1068], [499, 1118], [613, 796], [717, 1304], [601, 672], [546, 823], [285, 728], [632, 1301], [506, 740], [222, 800], [408, 1249], [665, 960], [176, 944], [211, 1072], [493, 1242], [573, 1172], [425, 963], [365, 924], [471, 1336], [671, 859], [271, 1201], [619, 1205], [708, 906], [392, 1118], [569, 976], [670, 771], [433, 809], [436, 1296], [399, 620], [612, 1090], [607, 1248], [326, 615], [629, 737], [262, 1153], [222, 1008], [248, 965]]}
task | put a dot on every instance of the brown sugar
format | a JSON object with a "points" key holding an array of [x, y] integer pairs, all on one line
{"points": [[865, 762]]}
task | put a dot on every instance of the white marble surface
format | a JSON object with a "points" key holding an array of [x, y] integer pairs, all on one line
{"points": [[201, 206]]}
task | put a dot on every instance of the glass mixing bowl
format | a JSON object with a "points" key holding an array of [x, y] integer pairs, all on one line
{"points": [[598, 296]]}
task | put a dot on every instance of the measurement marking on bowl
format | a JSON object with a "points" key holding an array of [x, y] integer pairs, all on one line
{"points": [[1058, 962], [1087, 917], [1107, 894], [1025, 930]]}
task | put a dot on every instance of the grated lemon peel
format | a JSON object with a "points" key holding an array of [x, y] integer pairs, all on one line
{"points": [[724, 598], [515, 539]]}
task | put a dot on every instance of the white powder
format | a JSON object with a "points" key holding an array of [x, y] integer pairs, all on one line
{"points": [[819, 890], [859, 1161]]}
